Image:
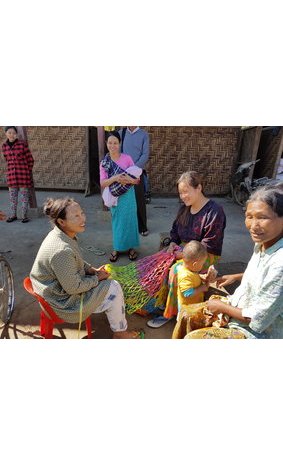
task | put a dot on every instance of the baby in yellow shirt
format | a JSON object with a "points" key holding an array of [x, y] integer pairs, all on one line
{"points": [[191, 288]]}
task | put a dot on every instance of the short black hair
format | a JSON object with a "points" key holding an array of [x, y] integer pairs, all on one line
{"points": [[10, 127]]}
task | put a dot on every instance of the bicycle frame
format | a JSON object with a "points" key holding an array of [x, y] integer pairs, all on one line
{"points": [[7, 290]]}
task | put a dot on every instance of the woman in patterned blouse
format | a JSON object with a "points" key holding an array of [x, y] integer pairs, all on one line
{"points": [[72, 287], [19, 172]]}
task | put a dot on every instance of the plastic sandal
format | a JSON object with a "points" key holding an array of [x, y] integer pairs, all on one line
{"points": [[132, 254], [11, 219], [95, 250], [158, 321], [25, 220], [114, 256]]}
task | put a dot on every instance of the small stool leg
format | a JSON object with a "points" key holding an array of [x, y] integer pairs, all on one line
{"points": [[49, 328], [42, 324], [88, 327], [46, 326]]}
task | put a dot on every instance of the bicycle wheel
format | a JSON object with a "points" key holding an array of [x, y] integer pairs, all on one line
{"points": [[240, 195], [7, 292]]}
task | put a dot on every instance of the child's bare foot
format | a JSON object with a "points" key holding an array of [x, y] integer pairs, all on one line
{"points": [[128, 335]]}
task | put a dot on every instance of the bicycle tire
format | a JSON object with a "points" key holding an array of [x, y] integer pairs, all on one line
{"points": [[7, 291], [240, 195]]}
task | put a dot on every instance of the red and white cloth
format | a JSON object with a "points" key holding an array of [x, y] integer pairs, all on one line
{"points": [[19, 164]]}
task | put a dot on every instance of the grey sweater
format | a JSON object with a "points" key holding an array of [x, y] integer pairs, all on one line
{"points": [[59, 276]]}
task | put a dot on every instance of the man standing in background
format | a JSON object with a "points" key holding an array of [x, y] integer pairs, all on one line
{"points": [[135, 142]]}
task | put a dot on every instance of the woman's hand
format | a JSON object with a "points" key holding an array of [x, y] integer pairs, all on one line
{"points": [[228, 279], [135, 181], [124, 179], [171, 247], [120, 178], [129, 180], [102, 274], [215, 306]]}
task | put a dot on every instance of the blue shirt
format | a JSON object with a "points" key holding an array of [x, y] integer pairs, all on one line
{"points": [[136, 144]]}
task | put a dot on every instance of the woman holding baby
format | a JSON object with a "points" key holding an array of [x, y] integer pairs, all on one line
{"points": [[116, 175]]}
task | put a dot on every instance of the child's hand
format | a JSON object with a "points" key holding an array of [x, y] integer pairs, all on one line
{"points": [[211, 275]]}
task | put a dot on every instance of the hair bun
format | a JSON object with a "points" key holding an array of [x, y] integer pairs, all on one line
{"points": [[47, 206]]}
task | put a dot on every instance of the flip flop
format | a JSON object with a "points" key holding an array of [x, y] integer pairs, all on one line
{"points": [[132, 254], [11, 219], [95, 250], [158, 321], [114, 256]]}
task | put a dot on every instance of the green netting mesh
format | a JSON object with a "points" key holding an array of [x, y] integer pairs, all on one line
{"points": [[142, 280]]}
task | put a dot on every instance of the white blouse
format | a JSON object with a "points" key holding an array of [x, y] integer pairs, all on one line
{"points": [[260, 294]]}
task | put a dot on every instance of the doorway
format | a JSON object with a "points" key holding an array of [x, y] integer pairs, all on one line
{"points": [[93, 186]]}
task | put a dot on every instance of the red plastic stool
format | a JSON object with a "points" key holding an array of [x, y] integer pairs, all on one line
{"points": [[47, 322]]}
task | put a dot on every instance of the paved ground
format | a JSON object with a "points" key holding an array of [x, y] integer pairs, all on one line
{"points": [[20, 243]]}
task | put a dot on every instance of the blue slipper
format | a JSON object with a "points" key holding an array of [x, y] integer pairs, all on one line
{"points": [[158, 321]]}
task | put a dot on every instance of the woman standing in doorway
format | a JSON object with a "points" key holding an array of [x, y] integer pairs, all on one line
{"points": [[19, 172], [124, 215]]}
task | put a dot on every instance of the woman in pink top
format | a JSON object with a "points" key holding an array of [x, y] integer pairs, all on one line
{"points": [[124, 216]]}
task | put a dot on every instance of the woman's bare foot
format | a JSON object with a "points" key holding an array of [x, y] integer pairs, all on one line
{"points": [[128, 335]]}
